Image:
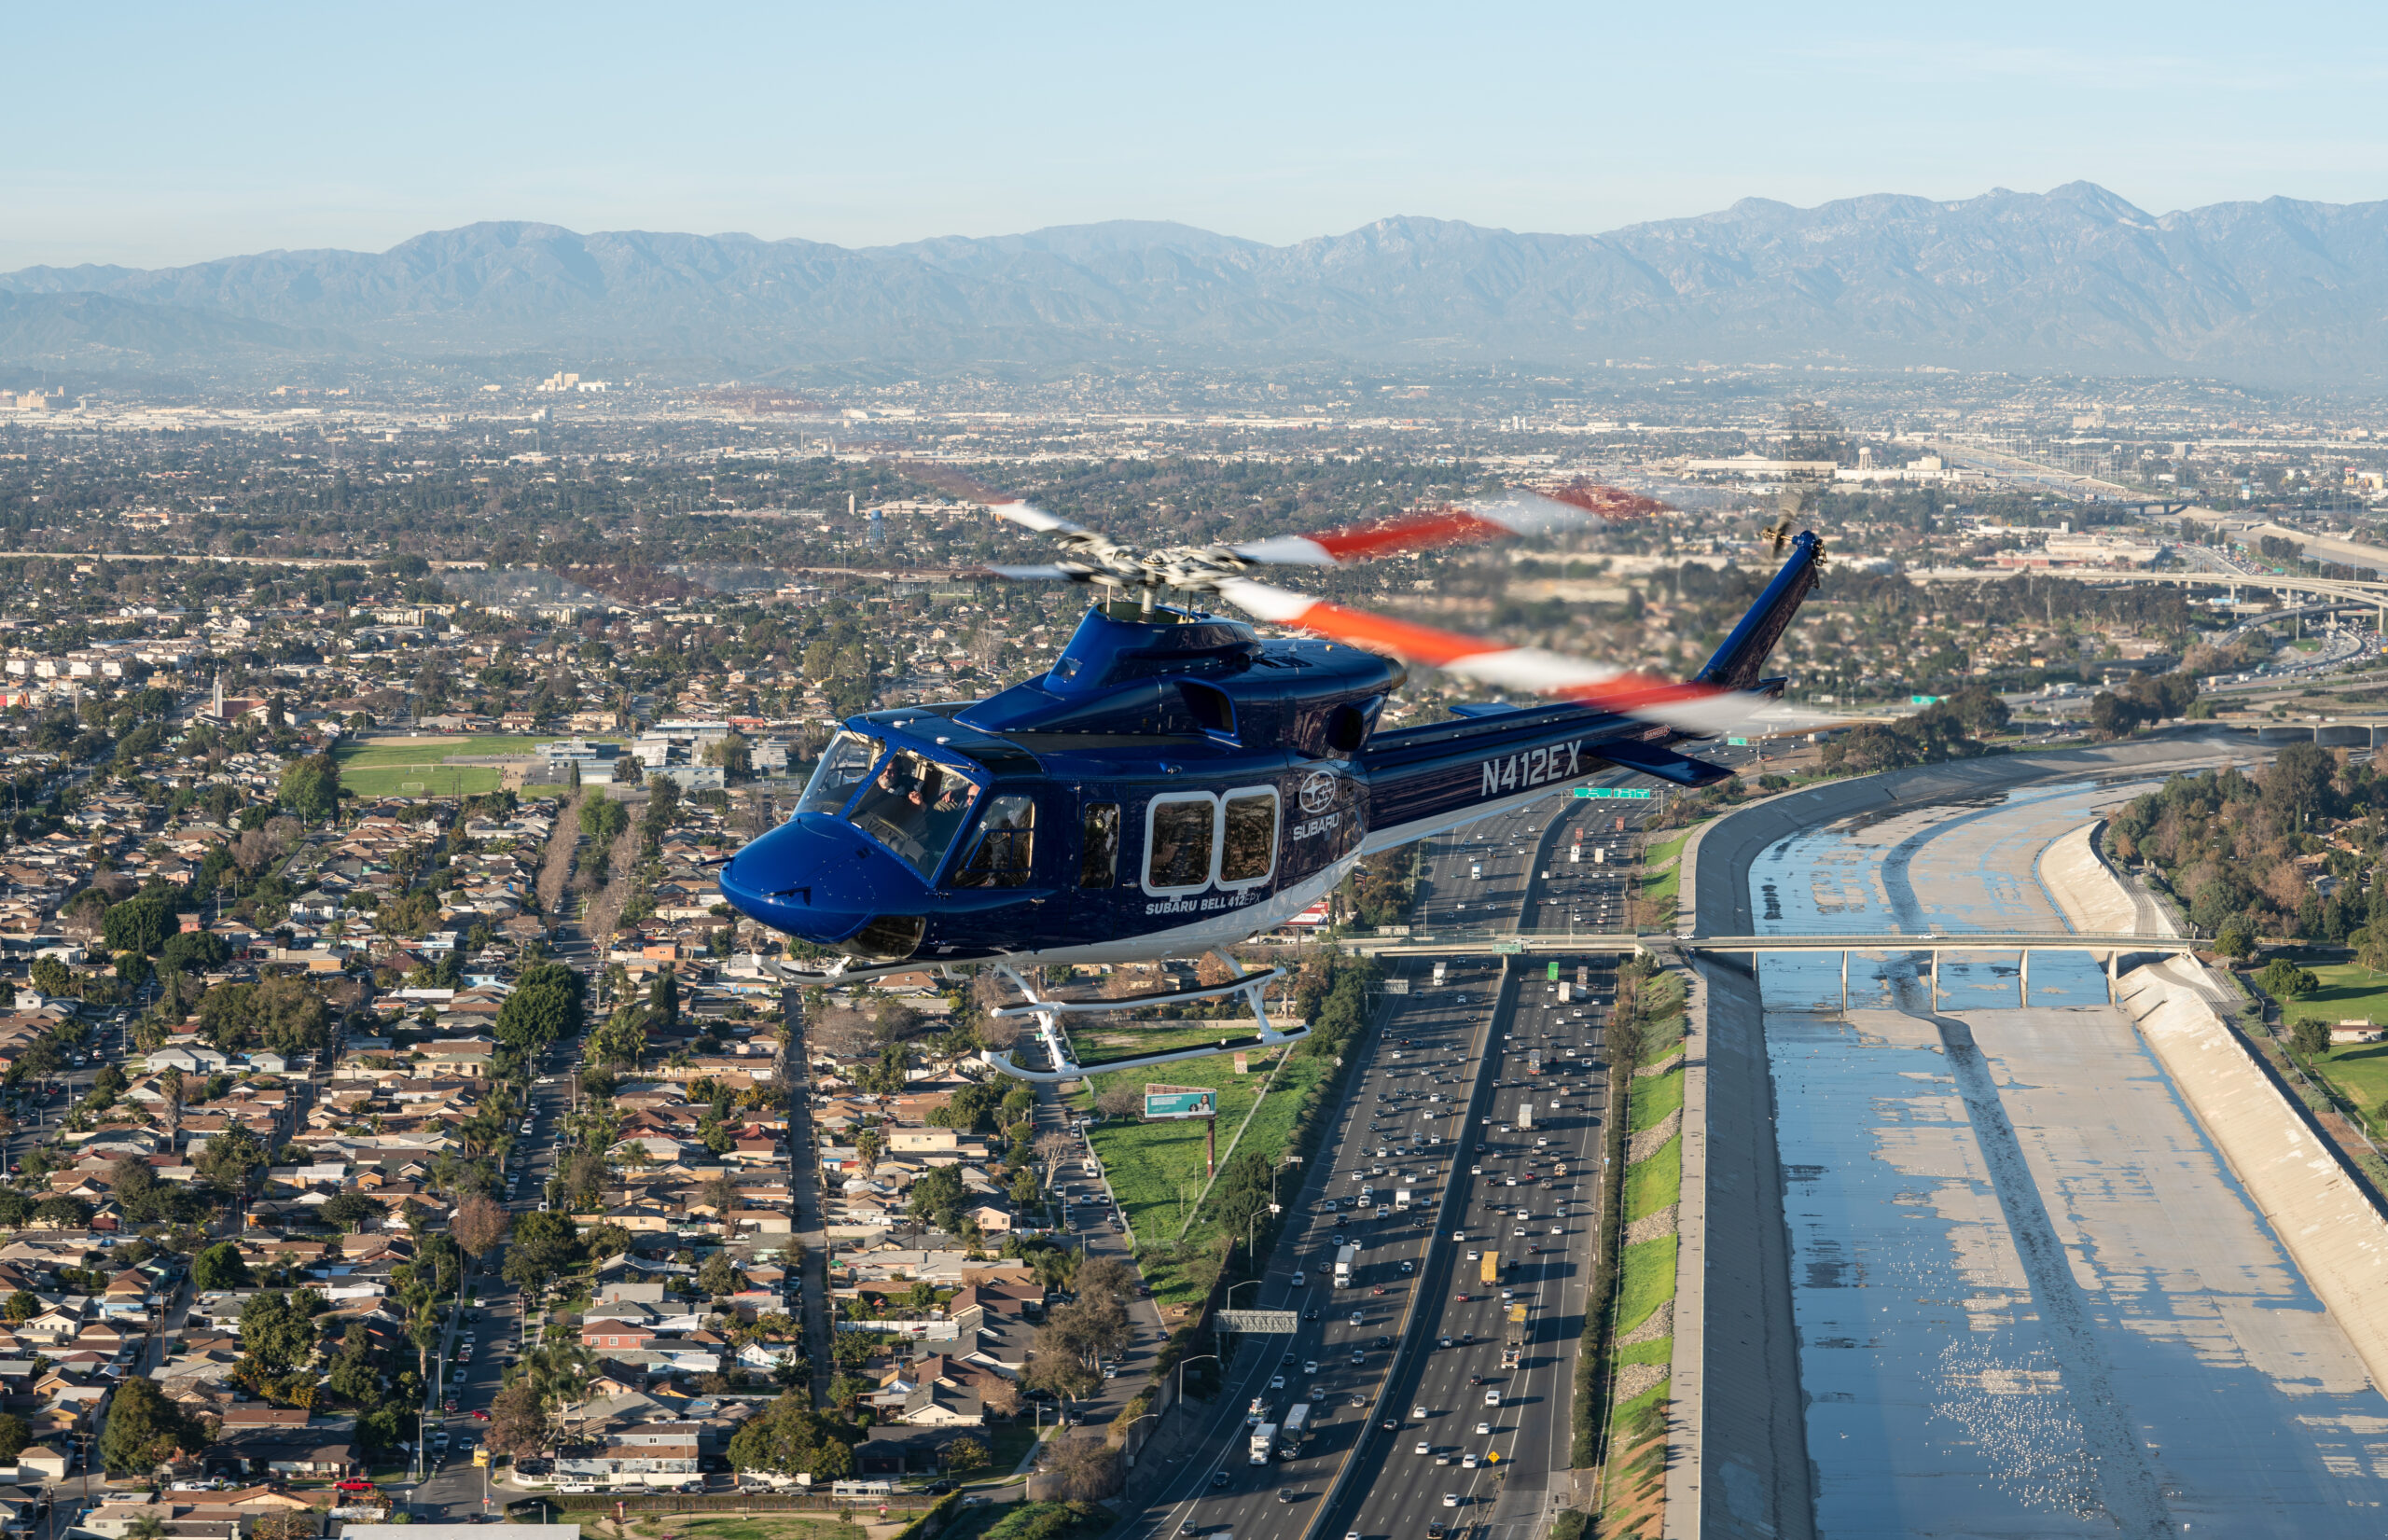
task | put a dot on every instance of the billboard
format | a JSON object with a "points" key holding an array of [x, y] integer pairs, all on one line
{"points": [[1180, 1101]]}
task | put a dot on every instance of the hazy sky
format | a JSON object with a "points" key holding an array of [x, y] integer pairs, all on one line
{"points": [[154, 134]]}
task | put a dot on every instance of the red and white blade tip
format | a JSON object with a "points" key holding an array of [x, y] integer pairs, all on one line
{"points": [[1520, 511], [1704, 710]]}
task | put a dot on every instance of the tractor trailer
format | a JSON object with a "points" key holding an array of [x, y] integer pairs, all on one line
{"points": [[1264, 1443], [1296, 1428], [1345, 1261]]}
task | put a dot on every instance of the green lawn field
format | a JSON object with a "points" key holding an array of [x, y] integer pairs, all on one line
{"points": [[2350, 992], [431, 779], [743, 1526], [1157, 1170], [1096, 1046], [431, 749]]}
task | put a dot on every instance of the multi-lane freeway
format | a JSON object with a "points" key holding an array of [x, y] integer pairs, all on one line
{"points": [[1415, 1349]]}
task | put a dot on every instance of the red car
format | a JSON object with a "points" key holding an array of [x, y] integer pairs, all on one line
{"points": [[354, 1486], [479, 1415], [449, 1404], [1461, 1297]]}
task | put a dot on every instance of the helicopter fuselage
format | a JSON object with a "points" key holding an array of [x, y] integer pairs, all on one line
{"points": [[1174, 784]]}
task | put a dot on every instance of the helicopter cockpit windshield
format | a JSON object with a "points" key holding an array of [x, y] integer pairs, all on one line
{"points": [[915, 806], [844, 765]]}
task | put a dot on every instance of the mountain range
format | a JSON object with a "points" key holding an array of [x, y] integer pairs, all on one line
{"points": [[2076, 280]]}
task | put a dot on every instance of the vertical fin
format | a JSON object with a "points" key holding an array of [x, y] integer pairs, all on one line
{"points": [[1735, 665]]}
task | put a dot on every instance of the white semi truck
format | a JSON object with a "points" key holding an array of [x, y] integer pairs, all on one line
{"points": [[1264, 1443], [1345, 1261], [1525, 1114]]}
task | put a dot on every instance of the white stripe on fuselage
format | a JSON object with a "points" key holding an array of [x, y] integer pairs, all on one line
{"points": [[1230, 927], [1380, 841]]}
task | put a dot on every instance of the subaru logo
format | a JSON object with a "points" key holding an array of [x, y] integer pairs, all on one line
{"points": [[1318, 791]]}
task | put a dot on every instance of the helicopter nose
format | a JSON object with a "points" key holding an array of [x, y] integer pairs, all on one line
{"points": [[817, 879]]}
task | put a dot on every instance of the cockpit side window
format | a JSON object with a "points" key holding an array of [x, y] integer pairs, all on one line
{"points": [[1004, 853], [915, 806], [846, 765]]}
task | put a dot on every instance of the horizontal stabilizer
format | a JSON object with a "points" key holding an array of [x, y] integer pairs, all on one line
{"points": [[1664, 763]]}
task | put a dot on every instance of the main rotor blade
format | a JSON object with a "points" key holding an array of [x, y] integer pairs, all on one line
{"points": [[1045, 573], [1520, 511], [1704, 710], [1028, 516]]}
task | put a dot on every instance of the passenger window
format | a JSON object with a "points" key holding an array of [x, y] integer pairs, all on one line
{"points": [[1005, 849], [1178, 852], [1249, 852], [1099, 852]]}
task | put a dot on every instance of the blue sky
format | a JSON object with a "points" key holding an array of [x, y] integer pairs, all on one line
{"points": [[150, 135]]}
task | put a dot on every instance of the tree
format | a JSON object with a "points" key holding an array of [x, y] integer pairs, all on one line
{"points": [[311, 787], [938, 1197], [144, 1429], [15, 1434], [966, 1454], [517, 1421], [719, 1275], [867, 1147], [139, 924], [1119, 1098], [353, 1209], [2284, 981], [2236, 938], [63, 1212], [194, 951], [278, 1329], [231, 1160], [1086, 1464], [544, 1245], [546, 1007], [481, 1224], [2310, 1038], [1024, 1190], [2297, 784], [219, 1268], [51, 977], [21, 1307], [663, 1003], [789, 1438], [1001, 1397]]}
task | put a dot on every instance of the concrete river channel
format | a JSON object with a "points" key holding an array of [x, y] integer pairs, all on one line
{"points": [[2029, 1294]]}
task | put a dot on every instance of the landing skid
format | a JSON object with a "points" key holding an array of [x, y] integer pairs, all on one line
{"points": [[1048, 1014]]}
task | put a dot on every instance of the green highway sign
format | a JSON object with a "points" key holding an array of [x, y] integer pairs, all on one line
{"points": [[1922, 700], [1617, 794], [1180, 1103], [1738, 743]]}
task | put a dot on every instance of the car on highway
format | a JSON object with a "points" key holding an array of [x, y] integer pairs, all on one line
{"points": [[1219, 1479], [1422, 1447], [1418, 1411], [1468, 1461], [1276, 1381], [1445, 1341], [1357, 1319], [1484, 1428], [1491, 1398], [1450, 1499]]}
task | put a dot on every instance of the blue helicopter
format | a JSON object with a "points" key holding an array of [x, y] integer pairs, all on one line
{"points": [[1177, 782]]}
